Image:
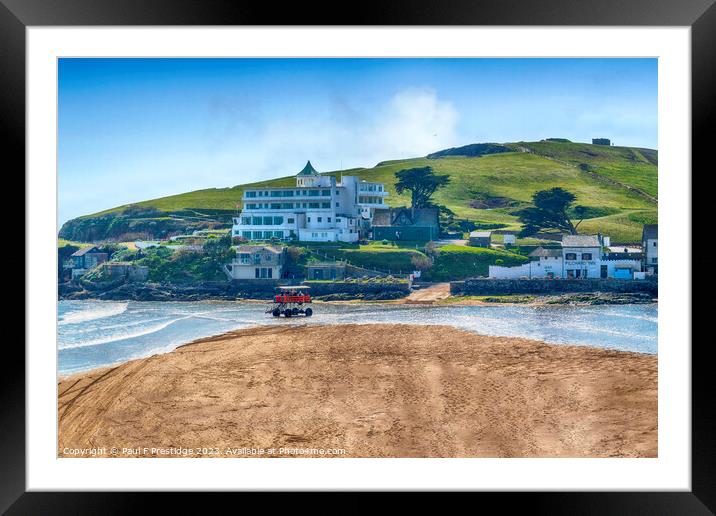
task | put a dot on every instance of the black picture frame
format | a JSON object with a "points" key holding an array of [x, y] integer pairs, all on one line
{"points": [[700, 15]]}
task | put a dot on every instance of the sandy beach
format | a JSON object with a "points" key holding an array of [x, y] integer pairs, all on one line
{"points": [[382, 390]]}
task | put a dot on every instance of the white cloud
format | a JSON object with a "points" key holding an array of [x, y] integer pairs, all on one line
{"points": [[243, 144], [411, 123], [415, 123]]}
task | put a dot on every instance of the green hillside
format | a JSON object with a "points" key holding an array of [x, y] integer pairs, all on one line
{"points": [[618, 183]]}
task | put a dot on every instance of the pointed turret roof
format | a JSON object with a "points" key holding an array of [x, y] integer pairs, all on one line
{"points": [[308, 170]]}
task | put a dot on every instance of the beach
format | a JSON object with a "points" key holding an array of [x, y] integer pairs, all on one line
{"points": [[364, 390]]}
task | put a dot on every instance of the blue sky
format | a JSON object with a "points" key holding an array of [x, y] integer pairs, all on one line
{"points": [[136, 129]]}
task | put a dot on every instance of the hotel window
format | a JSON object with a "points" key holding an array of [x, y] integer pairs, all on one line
{"points": [[570, 256], [257, 258], [338, 205], [268, 221], [313, 205], [275, 206], [257, 235], [326, 205], [251, 194], [319, 219], [304, 192], [329, 219], [278, 234], [261, 194], [277, 221], [308, 219], [246, 221], [245, 258], [257, 273], [287, 206], [314, 193], [290, 220], [326, 193], [246, 234], [256, 221], [586, 256], [268, 234], [251, 206], [653, 244]]}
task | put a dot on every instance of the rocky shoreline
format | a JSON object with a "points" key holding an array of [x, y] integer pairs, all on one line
{"points": [[227, 291]]}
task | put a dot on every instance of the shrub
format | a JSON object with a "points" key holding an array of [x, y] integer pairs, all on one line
{"points": [[455, 262]]}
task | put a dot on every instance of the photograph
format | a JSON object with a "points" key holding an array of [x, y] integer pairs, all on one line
{"points": [[357, 257]]}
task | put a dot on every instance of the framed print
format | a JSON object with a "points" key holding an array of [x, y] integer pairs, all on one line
{"points": [[419, 252]]}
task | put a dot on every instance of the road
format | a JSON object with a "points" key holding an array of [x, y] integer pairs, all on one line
{"points": [[429, 294]]}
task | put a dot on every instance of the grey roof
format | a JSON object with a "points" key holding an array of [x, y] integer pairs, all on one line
{"points": [[416, 216], [580, 241], [541, 252], [480, 234], [308, 170], [84, 251], [650, 232]]}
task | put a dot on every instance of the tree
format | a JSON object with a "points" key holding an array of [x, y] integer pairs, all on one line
{"points": [[551, 211], [421, 182]]}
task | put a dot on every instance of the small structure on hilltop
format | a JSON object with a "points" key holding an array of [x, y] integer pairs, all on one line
{"points": [[601, 141], [257, 263], [421, 224], [480, 238]]}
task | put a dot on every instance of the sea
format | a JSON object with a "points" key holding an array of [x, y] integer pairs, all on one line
{"points": [[94, 333]]}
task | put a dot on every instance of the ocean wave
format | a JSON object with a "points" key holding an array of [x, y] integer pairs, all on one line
{"points": [[122, 336], [96, 312]]}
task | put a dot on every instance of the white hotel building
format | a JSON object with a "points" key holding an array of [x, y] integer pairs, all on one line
{"points": [[317, 209]]}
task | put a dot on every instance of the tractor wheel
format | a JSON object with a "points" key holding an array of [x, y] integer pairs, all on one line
{"points": [[276, 312], [288, 313], [309, 312]]}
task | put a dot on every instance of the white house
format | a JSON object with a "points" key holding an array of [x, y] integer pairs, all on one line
{"points": [[581, 256], [544, 263], [317, 209], [256, 262]]}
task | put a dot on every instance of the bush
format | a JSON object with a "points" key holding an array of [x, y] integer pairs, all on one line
{"points": [[455, 262], [187, 266]]}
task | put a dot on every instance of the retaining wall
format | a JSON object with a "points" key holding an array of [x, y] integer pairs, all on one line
{"points": [[489, 286]]}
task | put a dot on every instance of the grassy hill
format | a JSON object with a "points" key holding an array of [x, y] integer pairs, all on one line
{"points": [[619, 184]]}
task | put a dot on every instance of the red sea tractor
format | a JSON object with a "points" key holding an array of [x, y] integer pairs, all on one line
{"points": [[291, 301]]}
